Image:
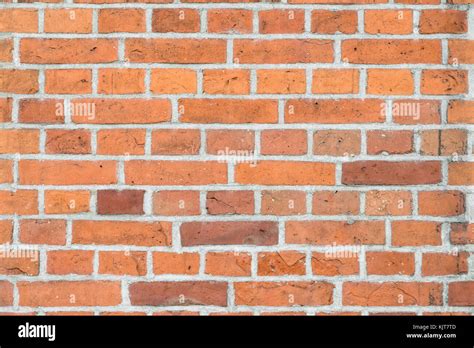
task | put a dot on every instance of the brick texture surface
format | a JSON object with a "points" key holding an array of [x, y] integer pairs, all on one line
{"points": [[210, 157]]}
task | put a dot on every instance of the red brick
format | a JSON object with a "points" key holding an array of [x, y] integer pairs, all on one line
{"points": [[178, 293], [391, 173], [113, 202], [229, 232]]}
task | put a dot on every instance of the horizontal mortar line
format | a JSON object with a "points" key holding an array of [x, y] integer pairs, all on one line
{"points": [[284, 97], [237, 218], [238, 158], [302, 65], [249, 6], [431, 308], [244, 126], [237, 279], [242, 248], [236, 36], [238, 187]]}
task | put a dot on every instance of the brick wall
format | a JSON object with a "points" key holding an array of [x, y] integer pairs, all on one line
{"points": [[206, 157]]}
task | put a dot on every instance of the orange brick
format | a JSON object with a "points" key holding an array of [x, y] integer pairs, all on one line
{"points": [[229, 21], [284, 142], [439, 82], [443, 21], [173, 263], [388, 203], [69, 293], [173, 81], [388, 21], [121, 142], [65, 172], [67, 51], [19, 81], [336, 142], [121, 233], [228, 111], [281, 263], [285, 173], [18, 20], [22, 141], [230, 202], [226, 81], [122, 263], [6, 171], [20, 202], [176, 142], [281, 21], [176, 21], [66, 202], [176, 203], [335, 203], [438, 264], [334, 111], [68, 141], [392, 294], [121, 81], [390, 263], [334, 263], [283, 202], [332, 22], [236, 264], [390, 142], [415, 233], [283, 51], [175, 172], [441, 203], [281, 81], [221, 142], [68, 81], [338, 232], [444, 142], [52, 232], [335, 81], [284, 294], [392, 82], [72, 20], [179, 51], [70, 262], [6, 49], [111, 20]]}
